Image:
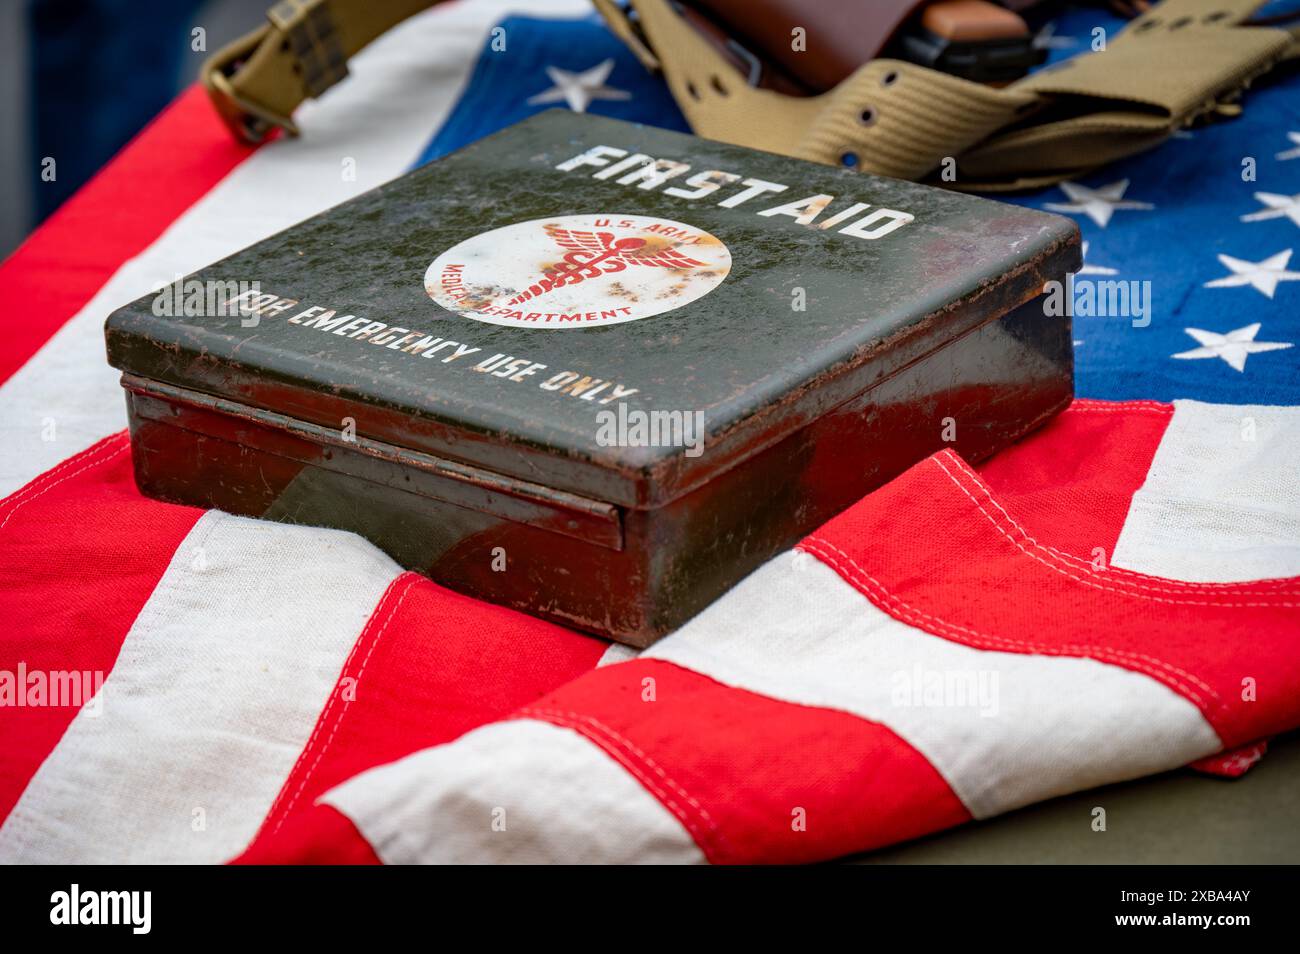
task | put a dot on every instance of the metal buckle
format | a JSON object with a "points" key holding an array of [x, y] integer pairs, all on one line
{"points": [[246, 120], [314, 40], [753, 65]]}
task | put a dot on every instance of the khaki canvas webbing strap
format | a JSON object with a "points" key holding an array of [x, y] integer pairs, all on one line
{"points": [[257, 81], [889, 117], [1183, 59]]}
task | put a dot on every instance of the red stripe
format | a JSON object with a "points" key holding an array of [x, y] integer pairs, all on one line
{"points": [[429, 666], [169, 166], [321, 835], [938, 551], [80, 553], [1233, 763], [768, 781], [1073, 481]]}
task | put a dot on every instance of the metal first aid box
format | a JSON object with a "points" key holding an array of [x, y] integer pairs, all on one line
{"points": [[597, 371]]}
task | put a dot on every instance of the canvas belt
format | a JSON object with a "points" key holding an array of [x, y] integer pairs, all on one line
{"points": [[1181, 61], [257, 81]]}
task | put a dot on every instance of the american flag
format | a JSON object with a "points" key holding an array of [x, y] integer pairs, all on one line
{"points": [[1115, 596]]}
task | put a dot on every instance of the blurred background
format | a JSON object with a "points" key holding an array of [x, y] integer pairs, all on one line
{"points": [[79, 78]]}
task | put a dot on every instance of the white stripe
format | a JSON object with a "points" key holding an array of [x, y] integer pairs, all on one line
{"points": [[216, 690], [1043, 726], [520, 792], [401, 88], [617, 653], [1221, 502]]}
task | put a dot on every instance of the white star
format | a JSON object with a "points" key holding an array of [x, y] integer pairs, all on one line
{"points": [[1293, 153], [1278, 206], [1098, 204], [1093, 269], [579, 89], [1262, 276], [1232, 347]]}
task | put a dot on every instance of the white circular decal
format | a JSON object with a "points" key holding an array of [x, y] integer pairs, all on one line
{"points": [[577, 271]]}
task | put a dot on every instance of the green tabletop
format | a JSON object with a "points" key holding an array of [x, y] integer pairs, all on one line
{"points": [[1181, 817]]}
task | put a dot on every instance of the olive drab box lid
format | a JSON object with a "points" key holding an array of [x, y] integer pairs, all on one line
{"points": [[600, 308]]}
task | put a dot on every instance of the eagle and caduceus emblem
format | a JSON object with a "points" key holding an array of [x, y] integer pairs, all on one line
{"points": [[592, 254]]}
